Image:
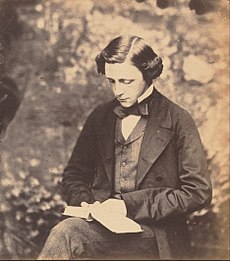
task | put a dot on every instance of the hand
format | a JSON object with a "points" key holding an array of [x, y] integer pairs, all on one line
{"points": [[89, 207], [114, 205], [86, 205]]}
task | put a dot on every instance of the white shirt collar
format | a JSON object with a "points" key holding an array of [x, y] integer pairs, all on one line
{"points": [[146, 94]]}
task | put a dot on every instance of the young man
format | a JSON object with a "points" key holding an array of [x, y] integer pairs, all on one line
{"points": [[141, 155]]}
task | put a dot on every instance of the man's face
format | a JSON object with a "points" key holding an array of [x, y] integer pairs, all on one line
{"points": [[127, 82]]}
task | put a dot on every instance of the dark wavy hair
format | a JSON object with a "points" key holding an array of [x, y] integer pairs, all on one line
{"points": [[134, 49]]}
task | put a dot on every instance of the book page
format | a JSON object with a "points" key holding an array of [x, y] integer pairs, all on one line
{"points": [[116, 223], [76, 212]]}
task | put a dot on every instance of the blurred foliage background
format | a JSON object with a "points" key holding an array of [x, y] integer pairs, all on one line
{"points": [[49, 48]]}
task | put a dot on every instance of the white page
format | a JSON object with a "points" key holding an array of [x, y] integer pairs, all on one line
{"points": [[76, 212], [116, 223]]}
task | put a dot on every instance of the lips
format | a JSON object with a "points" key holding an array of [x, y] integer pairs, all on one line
{"points": [[122, 100]]}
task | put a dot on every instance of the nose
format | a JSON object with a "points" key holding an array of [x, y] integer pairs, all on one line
{"points": [[118, 89]]}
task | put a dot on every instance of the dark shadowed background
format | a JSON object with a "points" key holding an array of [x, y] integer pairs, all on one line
{"points": [[49, 47]]}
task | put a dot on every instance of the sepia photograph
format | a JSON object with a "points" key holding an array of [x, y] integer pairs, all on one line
{"points": [[114, 130]]}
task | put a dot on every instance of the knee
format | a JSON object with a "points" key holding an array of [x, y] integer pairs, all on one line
{"points": [[66, 226]]}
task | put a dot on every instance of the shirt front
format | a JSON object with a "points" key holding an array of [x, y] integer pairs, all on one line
{"points": [[128, 123]]}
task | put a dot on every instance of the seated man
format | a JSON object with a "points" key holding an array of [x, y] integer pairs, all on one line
{"points": [[141, 155]]}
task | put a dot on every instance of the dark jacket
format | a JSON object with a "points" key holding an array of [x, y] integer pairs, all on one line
{"points": [[172, 176]]}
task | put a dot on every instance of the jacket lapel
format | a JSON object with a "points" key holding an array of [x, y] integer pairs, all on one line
{"points": [[106, 141], [156, 137]]}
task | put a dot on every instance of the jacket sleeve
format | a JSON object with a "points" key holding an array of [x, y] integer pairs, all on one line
{"points": [[78, 174], [194, 191]]}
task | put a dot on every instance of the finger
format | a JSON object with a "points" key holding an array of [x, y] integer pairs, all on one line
{"points": [[84, 204], [96, 203]]}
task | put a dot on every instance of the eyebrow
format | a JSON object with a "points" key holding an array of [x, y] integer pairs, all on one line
{"points": [[121, 79]]}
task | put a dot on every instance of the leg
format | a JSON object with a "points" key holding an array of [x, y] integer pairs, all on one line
{"points": [[74, 238], [140, 246]]}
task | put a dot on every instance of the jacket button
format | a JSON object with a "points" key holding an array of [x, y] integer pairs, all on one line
{"points": [[159, 178]]}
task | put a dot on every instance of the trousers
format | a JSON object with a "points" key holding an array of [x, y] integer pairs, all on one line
{"points": [[75, 238]]}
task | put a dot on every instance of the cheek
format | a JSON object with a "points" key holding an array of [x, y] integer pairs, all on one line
{"points": [[130, 91], [139, 89]]}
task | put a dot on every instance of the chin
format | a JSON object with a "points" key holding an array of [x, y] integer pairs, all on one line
{"points": [[126, 104]]}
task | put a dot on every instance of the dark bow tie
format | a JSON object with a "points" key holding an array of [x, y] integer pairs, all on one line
{"points": [[136, 109]]}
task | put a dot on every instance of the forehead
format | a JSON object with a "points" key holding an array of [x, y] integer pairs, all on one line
{"points": [[124, 70]]}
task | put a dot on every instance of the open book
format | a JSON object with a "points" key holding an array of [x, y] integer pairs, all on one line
{"points": [[115, 222]]}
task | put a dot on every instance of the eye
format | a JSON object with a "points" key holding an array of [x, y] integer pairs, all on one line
{"points": [[126, 81], [111, 81]]}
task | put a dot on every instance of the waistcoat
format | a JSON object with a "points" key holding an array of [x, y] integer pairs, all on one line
{"points": [[126, 157]]}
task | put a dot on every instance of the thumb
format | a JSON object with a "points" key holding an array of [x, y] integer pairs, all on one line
{"points": [[84, 204]]}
